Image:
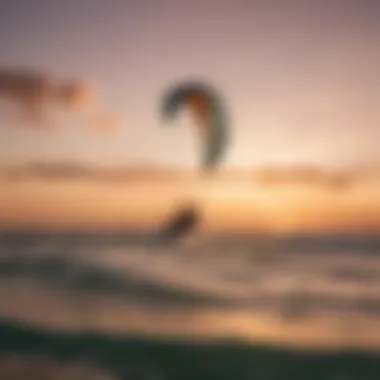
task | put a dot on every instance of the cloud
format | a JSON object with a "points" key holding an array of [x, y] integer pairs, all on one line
{"points": [[271, 177], [309, 176], [105, 122], [69, 171], [34, 92]]}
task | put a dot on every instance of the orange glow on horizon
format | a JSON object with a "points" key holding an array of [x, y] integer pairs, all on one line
{"points": [[235, 207]]}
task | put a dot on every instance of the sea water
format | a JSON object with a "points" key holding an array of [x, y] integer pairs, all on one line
{"points": [[308, 291]]}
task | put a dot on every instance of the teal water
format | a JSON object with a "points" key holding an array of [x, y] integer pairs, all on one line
{"points": [[149, 358]]}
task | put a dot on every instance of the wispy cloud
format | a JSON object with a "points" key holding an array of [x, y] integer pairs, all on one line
{"points": [[69, 171], [271, 177], [34, 92], [306, 175]]}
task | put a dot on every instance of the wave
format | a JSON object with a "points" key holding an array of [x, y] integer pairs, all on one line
{"points": [[289, 282], [134, 357]]}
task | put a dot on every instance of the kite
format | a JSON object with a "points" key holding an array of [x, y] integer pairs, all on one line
{"points": [[209, 113]]}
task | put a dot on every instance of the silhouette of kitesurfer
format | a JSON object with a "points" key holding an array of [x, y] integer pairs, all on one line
{"points": [[181, 223]]}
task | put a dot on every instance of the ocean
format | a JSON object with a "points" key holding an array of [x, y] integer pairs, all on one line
{"points": [[294, 292]]}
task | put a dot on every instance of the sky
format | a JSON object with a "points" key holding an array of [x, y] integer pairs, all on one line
{"points": [[300, 80]]}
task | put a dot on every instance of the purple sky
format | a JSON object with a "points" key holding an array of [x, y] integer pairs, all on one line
{"points": [[301, 78]]}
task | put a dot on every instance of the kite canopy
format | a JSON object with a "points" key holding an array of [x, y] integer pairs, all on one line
{"points": [[208, 110]]}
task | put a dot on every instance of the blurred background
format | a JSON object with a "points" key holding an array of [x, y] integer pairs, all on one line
{"points": [[286, 248]]}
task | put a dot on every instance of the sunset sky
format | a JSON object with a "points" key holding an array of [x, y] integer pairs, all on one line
{"points": [[300, 79]]}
